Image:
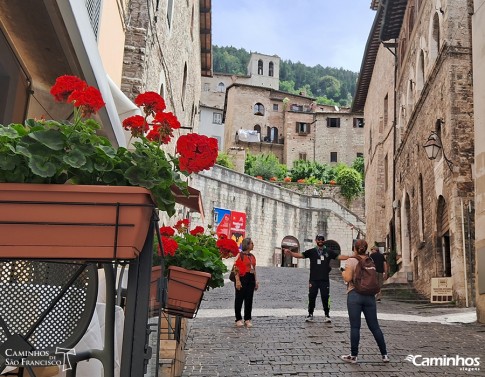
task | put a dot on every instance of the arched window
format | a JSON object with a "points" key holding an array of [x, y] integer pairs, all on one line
{"points": [[257, 128], [420, 74], [421, 208], [271, 69], [434, 40], [410, 97], [184, 84], [273, 137], [258, 109], [260, 67], [221, 87]]}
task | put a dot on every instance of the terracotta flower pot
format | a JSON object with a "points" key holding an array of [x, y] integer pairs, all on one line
{"points": [[73, 221], [185, 291]]}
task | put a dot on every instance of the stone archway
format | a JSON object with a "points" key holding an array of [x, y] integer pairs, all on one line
{"points": [[443, 241], [334, 246], [292, 243]]}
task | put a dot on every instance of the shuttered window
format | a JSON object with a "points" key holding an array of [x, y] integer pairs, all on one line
{"points": [[94, 11]]}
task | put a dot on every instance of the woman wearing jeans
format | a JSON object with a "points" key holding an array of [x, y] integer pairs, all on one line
{"points": [[246, 283], [357, 304]]}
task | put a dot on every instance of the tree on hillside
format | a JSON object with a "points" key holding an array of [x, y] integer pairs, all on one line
{"points": [[328, 86]]}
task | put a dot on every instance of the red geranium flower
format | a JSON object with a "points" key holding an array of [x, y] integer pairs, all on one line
{"points": [[168, 119], [161, 134], [65, 85], [197, 152], [151, 102], [197, 230], [89, 100], [227, 247], [170, 246], [181, 225], [136, 124], [167, 231], [241, 267]]}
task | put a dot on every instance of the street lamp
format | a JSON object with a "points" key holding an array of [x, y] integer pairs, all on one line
{"points": [[433, 146]]}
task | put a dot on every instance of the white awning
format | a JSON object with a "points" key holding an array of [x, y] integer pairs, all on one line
{"points": [[124, 106], [76, 21]]}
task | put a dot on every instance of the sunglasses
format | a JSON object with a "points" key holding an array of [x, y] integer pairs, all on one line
{"points": [[320, 239]]}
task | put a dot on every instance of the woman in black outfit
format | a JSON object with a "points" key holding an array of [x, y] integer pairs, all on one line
{"points": [[246, 283]]}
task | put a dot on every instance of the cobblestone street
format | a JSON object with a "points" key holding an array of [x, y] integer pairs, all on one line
{"points": [[281, 343]]}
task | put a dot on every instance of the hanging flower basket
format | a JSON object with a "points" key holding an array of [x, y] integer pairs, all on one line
{"points": [[73, 221], [185, 291]]}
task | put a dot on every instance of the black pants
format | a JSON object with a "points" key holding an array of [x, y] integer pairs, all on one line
{"points": [[245, 295], [324, 287]]}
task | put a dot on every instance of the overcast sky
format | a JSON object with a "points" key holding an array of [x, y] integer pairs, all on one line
{"points": [[331, 33]]}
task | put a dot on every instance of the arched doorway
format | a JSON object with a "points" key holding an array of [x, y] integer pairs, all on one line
{"points": [[335, 247], [443, 242], [289, 242]]}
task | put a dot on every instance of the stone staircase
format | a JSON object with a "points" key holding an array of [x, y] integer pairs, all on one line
{"points": [[403, 292]]}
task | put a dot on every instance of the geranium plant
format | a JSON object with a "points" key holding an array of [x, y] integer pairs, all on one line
{"points": [[52, 151], [197, 249]]}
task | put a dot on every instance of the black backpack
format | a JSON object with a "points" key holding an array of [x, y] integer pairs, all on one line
{"points": [[365, 277]]}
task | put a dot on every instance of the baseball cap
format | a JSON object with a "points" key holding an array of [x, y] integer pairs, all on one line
{"points": [[320, 236]]}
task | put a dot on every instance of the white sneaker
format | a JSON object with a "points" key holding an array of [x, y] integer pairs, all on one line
{"points": [[239, 323], [385, 359], [327, 319], [309, 318], [349, 359]]}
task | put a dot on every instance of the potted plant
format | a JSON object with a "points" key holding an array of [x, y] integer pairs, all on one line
{"points": [[73, 193], [192, 261]]}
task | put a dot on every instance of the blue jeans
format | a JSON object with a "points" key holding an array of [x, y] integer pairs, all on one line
{"points": [[357, 304]]}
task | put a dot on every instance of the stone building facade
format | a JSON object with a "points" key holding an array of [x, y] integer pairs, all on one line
{"points": [[293, 127], [478, 27], [163, 54], [262, 70], [274, 212], [431, 200]]}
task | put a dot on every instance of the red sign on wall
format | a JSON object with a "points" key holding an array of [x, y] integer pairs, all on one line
{"points": [[230, 223]]}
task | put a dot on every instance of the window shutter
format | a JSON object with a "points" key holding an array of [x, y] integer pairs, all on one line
{"points": [[328, 122], [338, 122], [297, 128]]}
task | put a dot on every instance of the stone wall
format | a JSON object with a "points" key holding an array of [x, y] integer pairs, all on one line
{"points": [[165, 58], [378, 151], [274, 212], [479, 101], [433, 94]]}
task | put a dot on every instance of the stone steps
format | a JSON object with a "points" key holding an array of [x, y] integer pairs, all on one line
{"points": [[403, 292]]}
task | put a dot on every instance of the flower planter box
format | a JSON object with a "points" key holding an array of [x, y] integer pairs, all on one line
{"points": [[73, 221], [185, 291]]}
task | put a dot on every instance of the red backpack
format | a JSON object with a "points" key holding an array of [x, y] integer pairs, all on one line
{"points": [[365, 277]]}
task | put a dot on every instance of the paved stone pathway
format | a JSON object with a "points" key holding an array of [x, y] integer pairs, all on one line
{"points": [[281, 343]]}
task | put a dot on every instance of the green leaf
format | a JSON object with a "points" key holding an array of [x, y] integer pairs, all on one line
{"points": [[43, 168], [9, 132], [7, 162], [52, 139], [74, 158]]}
